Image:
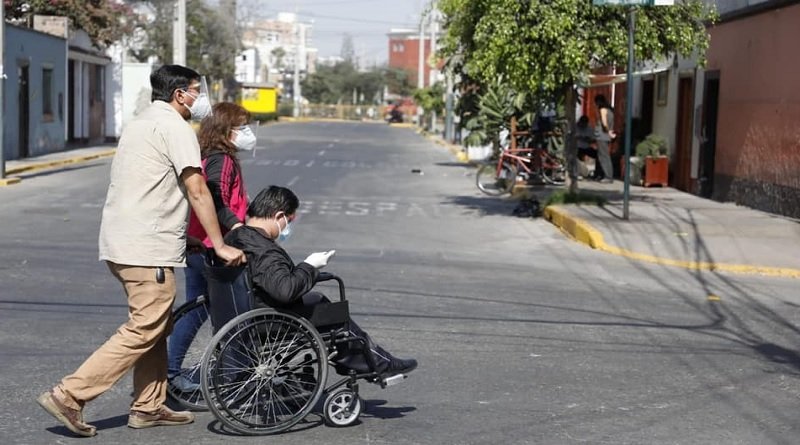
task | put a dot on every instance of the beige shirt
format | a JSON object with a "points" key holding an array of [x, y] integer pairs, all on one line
{"points": [[146, 210]]}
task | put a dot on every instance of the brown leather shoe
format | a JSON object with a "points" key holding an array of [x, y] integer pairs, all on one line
{"points": [[71, 418], [164, 417]]}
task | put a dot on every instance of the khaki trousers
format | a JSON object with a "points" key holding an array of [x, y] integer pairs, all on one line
{"points": [[140, 343]]}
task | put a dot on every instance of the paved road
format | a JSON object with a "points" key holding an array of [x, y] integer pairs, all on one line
{"points": [[522, 335]]}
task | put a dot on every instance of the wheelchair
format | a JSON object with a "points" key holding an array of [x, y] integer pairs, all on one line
{"points": [[265, 369]]}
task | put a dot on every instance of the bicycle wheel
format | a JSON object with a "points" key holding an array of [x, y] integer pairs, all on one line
{"points": [[492, 183], [183, 384], [553, 171]]}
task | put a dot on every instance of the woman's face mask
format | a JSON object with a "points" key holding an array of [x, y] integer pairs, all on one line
{"points": [[244, 139]]}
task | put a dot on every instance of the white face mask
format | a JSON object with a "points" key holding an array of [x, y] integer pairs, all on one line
{"points": [[244, 139], [201, 108]]}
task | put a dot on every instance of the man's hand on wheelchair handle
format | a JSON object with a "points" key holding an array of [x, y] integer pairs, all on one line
{"points": [[230, 255], [318, 260]]}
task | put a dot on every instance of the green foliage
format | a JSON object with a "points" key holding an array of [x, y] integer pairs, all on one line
{"points": [[431, 98], [546, 46], [652, 145], [105, 21], [566, 197], [495, 108], [398, 81], [336, 84], [210, 42]]}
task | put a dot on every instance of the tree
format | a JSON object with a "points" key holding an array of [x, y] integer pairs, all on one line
{"points": [[336, 84], [348, 52], [104, 21], [398, 81], [547, 47], [210, 44], [278, 53]]}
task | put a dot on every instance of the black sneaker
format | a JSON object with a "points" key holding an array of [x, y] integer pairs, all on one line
{"points": [[400, 366]]}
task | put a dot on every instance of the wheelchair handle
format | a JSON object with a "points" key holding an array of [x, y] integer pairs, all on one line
{"points": [[327, 276]]}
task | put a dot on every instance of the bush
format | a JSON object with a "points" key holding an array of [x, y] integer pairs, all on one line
{"points": [[565, 197], [653, 145], [286, 109]]}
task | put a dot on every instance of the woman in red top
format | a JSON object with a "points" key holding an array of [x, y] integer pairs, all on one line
{"points": [[221, 136]]}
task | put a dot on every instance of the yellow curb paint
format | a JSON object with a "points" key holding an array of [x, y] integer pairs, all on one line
{"points": [[59, 163], [584, 233], [9, 181], [713, 297]]}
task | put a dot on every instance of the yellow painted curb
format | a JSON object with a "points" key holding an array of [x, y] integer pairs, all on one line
{"points": [[581, 231], [59, 162], [8, 181]]}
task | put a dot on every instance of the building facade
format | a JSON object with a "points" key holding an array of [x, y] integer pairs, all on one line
{"points": [[751, 136], [35, 91], [404, 48]]}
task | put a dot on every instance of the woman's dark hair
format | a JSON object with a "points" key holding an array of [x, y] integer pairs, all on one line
{"points": [[215, 130], [168, 78], [272, 200], [601, 101]]}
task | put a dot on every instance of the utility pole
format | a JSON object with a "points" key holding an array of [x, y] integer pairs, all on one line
{"points": [[626, 190], [421, 60], [299, 55], [434, 73], [2, 81], [179, 34]]}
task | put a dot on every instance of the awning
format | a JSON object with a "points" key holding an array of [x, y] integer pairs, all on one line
{"points": [[601, 80]]}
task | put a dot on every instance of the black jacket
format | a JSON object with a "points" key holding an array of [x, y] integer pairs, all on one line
{"points": [[278, 282]]}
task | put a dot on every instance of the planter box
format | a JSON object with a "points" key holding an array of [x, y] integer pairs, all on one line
{"points": [[479, 153], [656, 171]]}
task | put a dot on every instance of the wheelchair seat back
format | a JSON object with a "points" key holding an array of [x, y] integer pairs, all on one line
{"points": [[229, 293]]}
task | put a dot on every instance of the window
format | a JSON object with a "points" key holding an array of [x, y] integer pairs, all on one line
{"points": [[47, 94]]}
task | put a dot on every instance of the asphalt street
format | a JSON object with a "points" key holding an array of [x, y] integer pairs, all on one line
{"points": [[523, 336]]}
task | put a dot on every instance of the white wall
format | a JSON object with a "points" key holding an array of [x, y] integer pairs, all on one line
{"points": [[135, 90]]}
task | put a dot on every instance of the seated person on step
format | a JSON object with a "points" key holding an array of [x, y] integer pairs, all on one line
{"points": [[584, 138], [281, 283]]}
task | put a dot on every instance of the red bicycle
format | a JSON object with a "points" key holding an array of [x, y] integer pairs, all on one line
{"points": [[529, 164]]}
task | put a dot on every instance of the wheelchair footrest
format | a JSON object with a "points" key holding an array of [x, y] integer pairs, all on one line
{"points": [[393, 380]]}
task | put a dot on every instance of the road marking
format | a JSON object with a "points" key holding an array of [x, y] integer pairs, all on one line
{"points": [[293, 181], [310, 163], [321, 152]]}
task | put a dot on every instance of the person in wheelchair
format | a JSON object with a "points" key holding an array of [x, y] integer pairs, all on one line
{"points": [[280, 283]]}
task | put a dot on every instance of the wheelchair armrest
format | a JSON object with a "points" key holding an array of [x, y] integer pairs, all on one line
{"points": [[327, 276]]}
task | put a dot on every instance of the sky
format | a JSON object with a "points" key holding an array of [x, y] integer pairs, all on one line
{"points": [[367, 21]]}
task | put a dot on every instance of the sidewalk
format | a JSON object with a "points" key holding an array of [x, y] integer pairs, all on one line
{"points": [[674, 228], [17, 167]]}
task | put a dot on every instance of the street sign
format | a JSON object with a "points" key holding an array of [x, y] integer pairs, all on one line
{"points": [[633, 2]]}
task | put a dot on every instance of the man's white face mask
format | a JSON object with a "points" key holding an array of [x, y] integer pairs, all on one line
{"points": [[201, 108]]}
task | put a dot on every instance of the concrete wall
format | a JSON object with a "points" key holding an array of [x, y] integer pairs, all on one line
{"points": [[38, 51], [757, 159]]}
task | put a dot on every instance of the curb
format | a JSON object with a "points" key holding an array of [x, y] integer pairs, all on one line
{"points": [[55, 163], [584, 233]]}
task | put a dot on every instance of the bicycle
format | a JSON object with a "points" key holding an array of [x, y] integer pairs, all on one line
{"points": [[498, 178]]}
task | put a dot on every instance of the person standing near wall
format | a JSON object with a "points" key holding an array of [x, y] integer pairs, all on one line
{"points": [[604, 132], [155, 175]]}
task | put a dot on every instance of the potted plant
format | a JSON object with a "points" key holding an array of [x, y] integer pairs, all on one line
{"points": [[651, 162]]}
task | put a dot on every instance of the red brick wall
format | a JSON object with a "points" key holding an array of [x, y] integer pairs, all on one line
{"points": [[404, 54]]}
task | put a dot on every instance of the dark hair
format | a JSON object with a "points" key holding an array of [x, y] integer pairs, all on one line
{"points": [[215, 129], [272, 200], [168, 78], [583, 120], [601, 101]]}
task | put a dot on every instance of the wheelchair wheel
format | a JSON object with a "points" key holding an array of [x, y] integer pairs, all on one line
{"points": [[266, 371], [342, 408], [185, 387]]}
